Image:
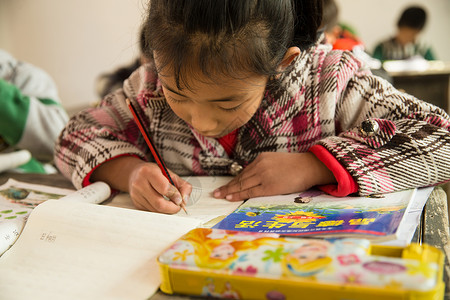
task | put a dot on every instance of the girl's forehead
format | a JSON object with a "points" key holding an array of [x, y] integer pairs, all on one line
{"points": [[194, 64], [195, 81]]}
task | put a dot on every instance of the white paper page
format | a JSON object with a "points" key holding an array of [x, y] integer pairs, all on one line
{"points": [[401, 198], [95, 193], [9, 232], [202, 205], [411, 219], [17, 200], [73, 250]]}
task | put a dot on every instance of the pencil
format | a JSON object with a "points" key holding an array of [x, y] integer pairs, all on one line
{"points": [[152, 147]]}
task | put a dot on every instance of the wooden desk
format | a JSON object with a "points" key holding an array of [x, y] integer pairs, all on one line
{"points": [[435, 218], [431, 85], [436, 232]]}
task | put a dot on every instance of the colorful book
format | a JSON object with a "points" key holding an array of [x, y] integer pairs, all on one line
{"points": [[316, 213]]}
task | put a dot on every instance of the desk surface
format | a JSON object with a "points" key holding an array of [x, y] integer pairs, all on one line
{"points": [[436, 231], [434, 68], [431, 84]]}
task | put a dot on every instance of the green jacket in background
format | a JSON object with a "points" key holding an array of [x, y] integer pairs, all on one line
{"points": [[31, 115], [392, 50]]}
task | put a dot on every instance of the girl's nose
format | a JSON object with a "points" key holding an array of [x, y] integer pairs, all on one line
{"points": [[204, 123]]}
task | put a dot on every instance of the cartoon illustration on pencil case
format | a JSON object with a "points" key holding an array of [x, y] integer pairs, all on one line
{"points": [[257, 255]]}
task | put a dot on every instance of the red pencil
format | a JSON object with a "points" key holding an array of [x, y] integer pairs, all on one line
{"points": [[151, 146]]}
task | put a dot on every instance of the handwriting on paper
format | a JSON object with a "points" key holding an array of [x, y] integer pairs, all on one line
{"points": [[48, 237]]}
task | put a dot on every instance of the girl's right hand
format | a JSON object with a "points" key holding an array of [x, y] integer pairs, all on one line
{"points": [[145, 183], [148, 187]]}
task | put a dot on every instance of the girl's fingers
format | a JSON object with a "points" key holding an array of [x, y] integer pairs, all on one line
{"points": [[148, 195], [240, 188], [244, 176], [173, 194], [152, 201], [254, 191], [150, 189], [140, 202], [184, 187], [163, 187], [185, 190], [164, 206]]}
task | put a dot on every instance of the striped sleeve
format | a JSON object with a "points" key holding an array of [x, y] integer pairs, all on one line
{"points": [[408, 144]]}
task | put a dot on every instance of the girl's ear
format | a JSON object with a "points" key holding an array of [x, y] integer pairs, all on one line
{"points": [[289, 56]]}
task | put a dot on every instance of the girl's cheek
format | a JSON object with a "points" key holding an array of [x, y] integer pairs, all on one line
{"points": [[180, 112]]}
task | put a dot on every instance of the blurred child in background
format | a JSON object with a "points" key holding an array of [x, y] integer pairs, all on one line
{"points": [[343, 37], [337, 34], [404, 44], [31, 115]]}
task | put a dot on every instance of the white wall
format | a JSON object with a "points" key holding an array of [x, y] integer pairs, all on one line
{"points": [[376, 20], [73, 40], [76, 40]]}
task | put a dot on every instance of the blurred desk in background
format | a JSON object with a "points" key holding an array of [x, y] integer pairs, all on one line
{"points": [[430, 83]]}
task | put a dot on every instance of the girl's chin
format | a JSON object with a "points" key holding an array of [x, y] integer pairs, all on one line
{"points": [[215, 135]]}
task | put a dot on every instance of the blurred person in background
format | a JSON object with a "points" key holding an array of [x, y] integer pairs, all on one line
{"points": [[343, 37], [404, 44], [31, 114]]}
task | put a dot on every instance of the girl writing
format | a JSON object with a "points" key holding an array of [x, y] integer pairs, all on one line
{"points": [[247, 84]]}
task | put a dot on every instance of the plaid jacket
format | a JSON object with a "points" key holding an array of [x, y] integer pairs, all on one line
{"points": [[322, 101]]}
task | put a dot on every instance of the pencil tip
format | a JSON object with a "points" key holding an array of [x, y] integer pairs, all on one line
{"points": [[184, 208]]}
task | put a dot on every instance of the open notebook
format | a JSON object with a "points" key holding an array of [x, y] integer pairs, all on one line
{"points": [[18, 199], [75, 250]]}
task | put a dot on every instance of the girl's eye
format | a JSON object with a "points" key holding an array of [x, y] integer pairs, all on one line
{"points": [[231, 109], [175, 100], [185, 101]]}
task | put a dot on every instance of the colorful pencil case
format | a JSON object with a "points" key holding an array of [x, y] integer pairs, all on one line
{"points": [[245, 265]]}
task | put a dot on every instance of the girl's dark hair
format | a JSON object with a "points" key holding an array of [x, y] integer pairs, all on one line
{"points": [[413, 17], [228, 37]]}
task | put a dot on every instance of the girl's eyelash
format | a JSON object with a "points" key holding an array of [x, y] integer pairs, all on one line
{"points": [[231, 109], [174, 100], [222, 108]]}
